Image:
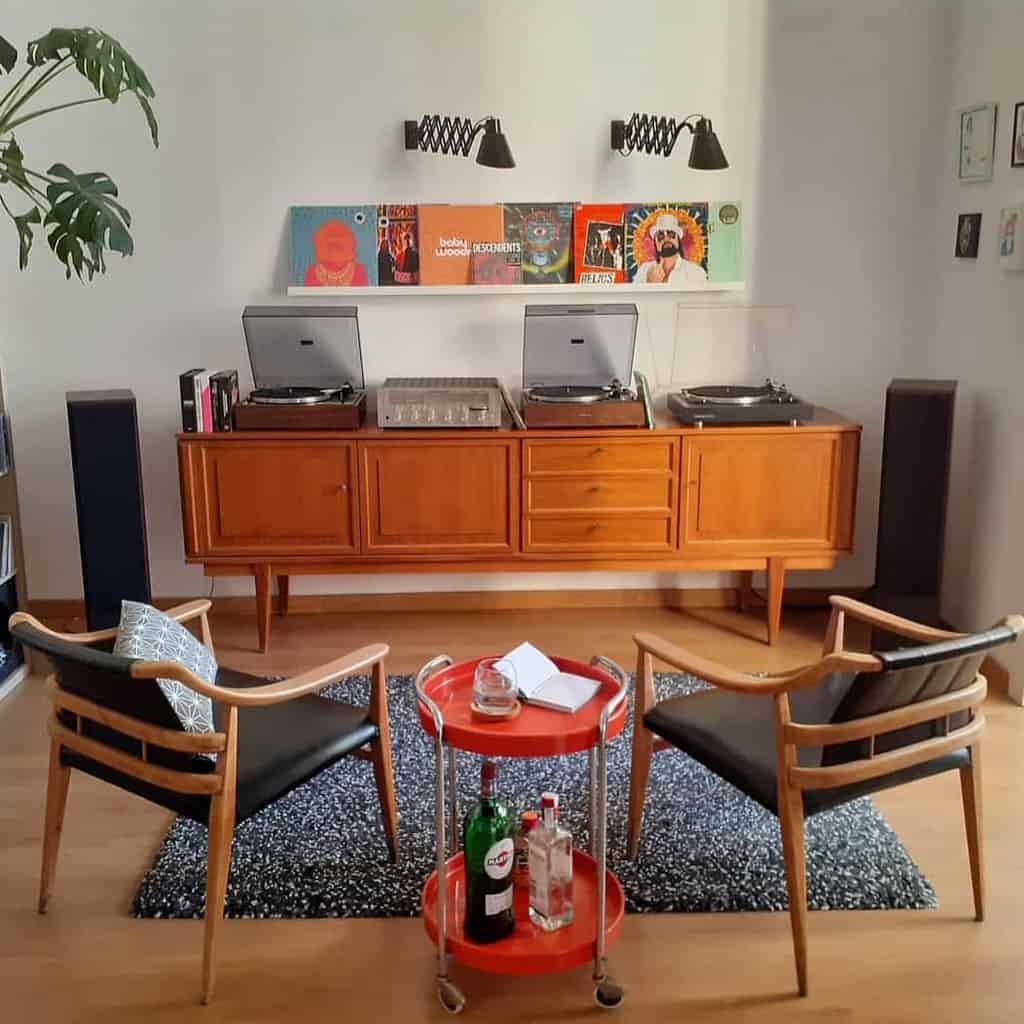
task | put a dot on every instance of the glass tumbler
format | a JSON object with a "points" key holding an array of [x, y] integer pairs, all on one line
{"points": [[494, 686]]}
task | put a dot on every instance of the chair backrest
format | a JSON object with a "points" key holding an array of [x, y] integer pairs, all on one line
{"points": [[103, 712], [922, 705]]}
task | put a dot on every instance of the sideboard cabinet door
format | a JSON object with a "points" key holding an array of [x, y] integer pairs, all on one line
{"points": [[426, 498], [272, 497], [768, 493]]}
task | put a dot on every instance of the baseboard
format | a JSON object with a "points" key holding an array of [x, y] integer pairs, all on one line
{"points": [[61, 613], [11, 683]]}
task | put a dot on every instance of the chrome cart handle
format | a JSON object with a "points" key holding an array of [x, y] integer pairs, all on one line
{"points": [[431, 668], [599, 661]]}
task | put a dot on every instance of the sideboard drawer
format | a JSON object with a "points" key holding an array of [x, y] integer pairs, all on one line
{"points": [[604, 455], [599, 533], [612, 493]]}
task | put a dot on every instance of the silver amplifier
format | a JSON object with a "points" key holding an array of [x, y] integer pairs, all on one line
{"points": [[446, 402]]}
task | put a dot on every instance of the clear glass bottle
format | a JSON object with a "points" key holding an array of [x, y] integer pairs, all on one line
{"points": [[550, 848]]}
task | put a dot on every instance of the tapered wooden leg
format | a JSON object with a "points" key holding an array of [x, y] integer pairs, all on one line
{"points": [[282, 594], [380, 754], [56, 800], [791, 820], [970, 786], [218, 852], [746, 590], [776, 584], [643, 749], [262, 574]]}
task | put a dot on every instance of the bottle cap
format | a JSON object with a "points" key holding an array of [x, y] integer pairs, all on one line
{"points": [[529, 820]]}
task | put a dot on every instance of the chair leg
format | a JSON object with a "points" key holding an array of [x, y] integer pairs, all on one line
{"points": [[643, 748], [218, 861], [970, 787], [56, 800], [791, 820], [383, 773]]}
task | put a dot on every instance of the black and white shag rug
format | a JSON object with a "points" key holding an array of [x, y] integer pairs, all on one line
{"points": [[319, 851]]}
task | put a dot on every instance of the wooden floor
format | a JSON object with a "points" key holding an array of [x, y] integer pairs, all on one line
{"points": [[88, 960]]}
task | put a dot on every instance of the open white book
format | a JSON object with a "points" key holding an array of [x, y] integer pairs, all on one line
{"points": [[540, 681]]}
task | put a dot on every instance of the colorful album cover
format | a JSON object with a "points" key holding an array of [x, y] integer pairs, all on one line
{"points": [[333, 246], [599, 243], [398, 253], [494, 268], [725, 243], [543, 232], [451, 236], [667, 243]]}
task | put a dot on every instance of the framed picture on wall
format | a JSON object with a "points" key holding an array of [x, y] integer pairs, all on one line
{"points": [[1011, 238], [977, 142], [968, 233], [1017, 142]]}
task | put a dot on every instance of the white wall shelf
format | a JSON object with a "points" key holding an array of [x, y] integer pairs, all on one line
{"points": [[408, 291]]}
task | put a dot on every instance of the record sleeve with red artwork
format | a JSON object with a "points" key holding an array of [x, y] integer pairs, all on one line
{"points": [[599, 243]]}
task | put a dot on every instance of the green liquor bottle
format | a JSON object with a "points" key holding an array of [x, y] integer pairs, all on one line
{"points": [[489, 853]]}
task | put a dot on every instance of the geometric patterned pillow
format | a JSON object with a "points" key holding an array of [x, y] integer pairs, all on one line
{"points": [[145, 632]]}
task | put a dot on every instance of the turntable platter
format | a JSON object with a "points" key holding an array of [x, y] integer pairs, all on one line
{"points": [[289, 396], [733, 394], [568, 393]]}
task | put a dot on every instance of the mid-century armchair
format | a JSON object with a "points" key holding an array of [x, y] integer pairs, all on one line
{"points": [[111, 720], [811, 739]]}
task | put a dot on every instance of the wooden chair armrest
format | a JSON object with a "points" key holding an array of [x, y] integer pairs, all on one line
{"points": [[96, 636], [272, 693], [181, 613], [744, 682], [893, 623]]}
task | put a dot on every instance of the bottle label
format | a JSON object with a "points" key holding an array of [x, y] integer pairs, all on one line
{"points": [[496, 902], [498, 862]]}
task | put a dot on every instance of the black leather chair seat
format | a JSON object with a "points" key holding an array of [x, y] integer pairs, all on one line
{"points": [[280, 746], [284, 745], [733, 734]]}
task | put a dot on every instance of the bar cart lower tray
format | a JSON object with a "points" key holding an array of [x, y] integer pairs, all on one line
{"points": [[529, 950]]}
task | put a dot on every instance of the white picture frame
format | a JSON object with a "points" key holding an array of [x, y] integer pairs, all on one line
{"points": [[976, 142], [1011, 237]]}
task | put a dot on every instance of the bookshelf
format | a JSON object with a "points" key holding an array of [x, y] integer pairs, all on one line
{"points": [[12, 669], [424, 290]]}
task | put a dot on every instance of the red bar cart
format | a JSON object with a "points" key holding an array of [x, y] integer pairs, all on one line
{"points": [[445, 693]]}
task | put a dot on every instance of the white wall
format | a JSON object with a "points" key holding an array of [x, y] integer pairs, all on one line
{"points": [[827, 111], [979, 338]]}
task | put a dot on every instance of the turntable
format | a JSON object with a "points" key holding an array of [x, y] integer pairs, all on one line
{"points": [[307, 366], [577, 366], [723, 404]]}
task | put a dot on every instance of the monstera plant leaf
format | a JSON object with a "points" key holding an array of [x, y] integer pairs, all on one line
{"points": [[12, 166], [85, 219], [8, 56], [102, 60], [24, 225]]}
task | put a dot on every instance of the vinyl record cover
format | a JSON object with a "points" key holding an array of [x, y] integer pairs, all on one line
{"points": [[725, 242], [333, 246], [599, 243], [667, 243], [450, 236], [398, 252], [543, 232]]}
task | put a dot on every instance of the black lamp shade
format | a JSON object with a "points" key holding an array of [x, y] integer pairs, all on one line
{"points": [[494, 150], [706, 151]]}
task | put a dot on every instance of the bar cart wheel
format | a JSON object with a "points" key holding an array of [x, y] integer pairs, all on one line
{"points": [[608, 993], [450, 996]]}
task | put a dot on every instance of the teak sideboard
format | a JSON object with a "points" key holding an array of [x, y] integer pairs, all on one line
{"points": [[674, 498]]}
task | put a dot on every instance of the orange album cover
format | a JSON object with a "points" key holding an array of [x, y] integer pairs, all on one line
{"points": [[599, 243], [454, 238]]}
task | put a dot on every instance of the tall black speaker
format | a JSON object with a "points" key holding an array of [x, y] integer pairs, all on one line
{"points": [[104, 431], [916, 452]]}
